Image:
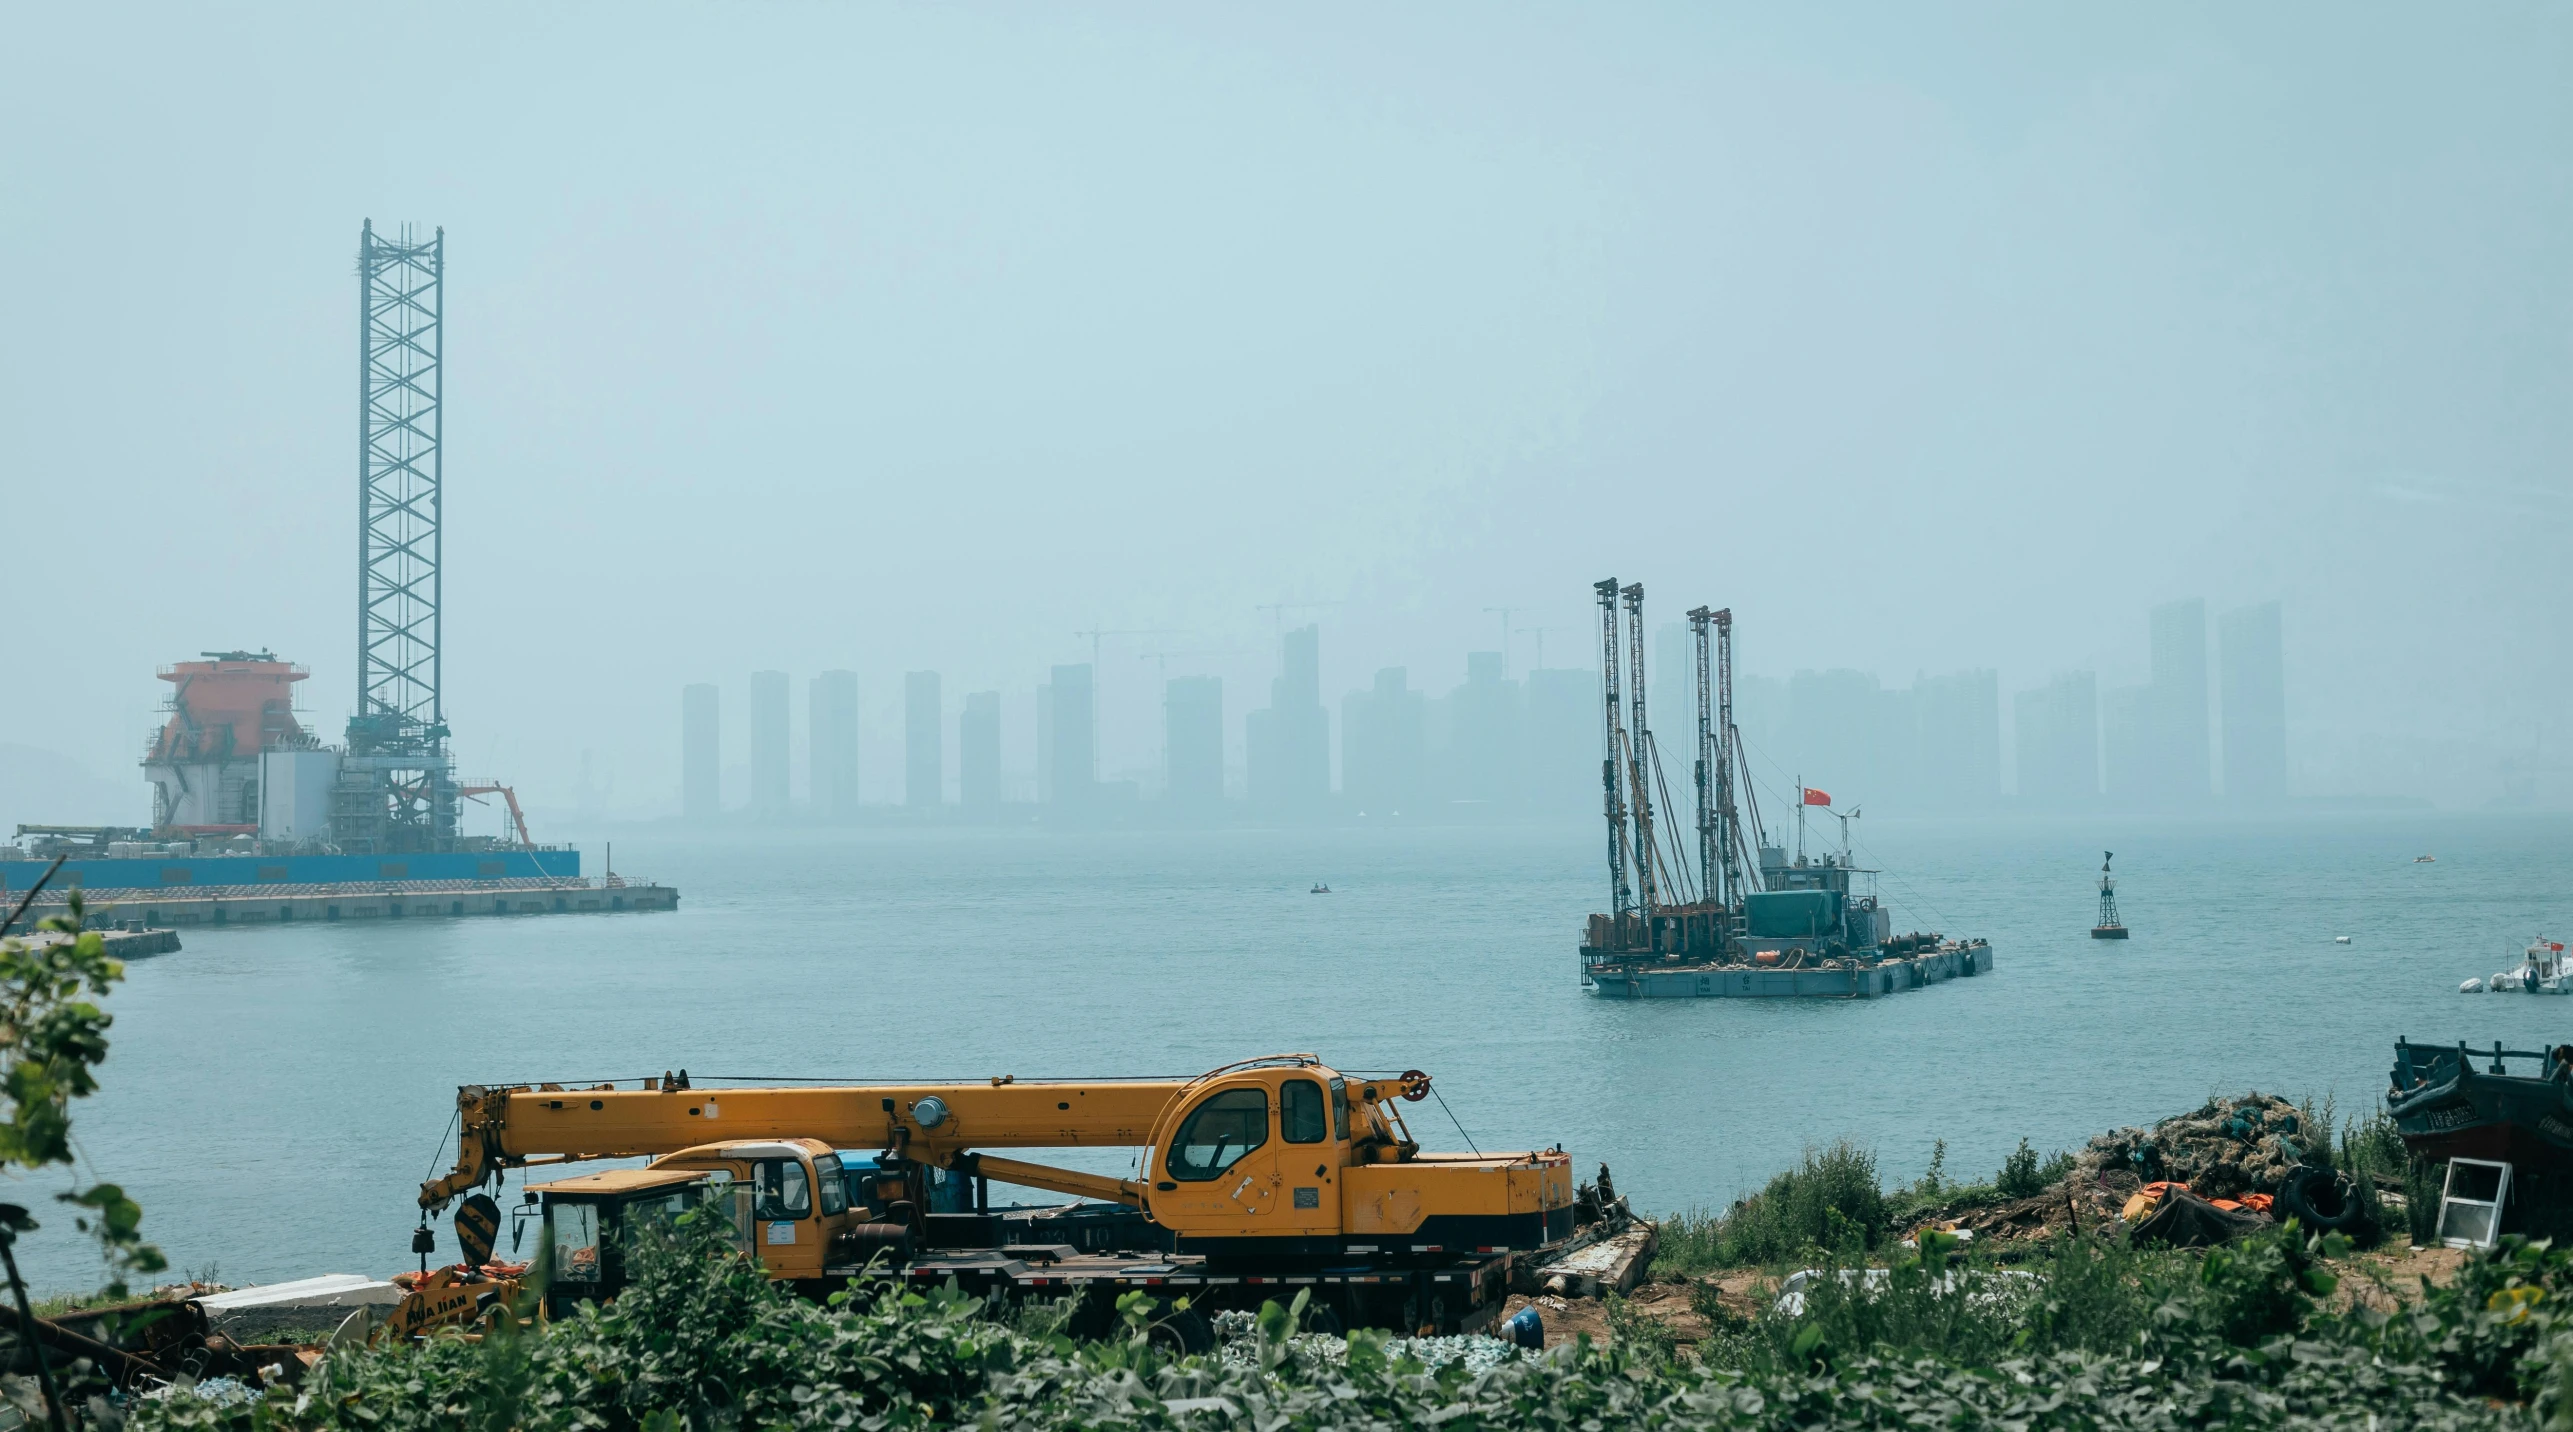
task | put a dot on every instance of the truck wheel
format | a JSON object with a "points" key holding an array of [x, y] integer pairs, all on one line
{"points": [[1184, 1332]]}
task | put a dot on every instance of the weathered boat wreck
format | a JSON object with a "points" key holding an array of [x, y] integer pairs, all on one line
{"points": [[2504, 1134]]}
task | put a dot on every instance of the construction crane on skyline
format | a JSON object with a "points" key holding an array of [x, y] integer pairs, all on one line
{"points": [[1097, 633], [1505, 635], [1280, 609], [1539, 632], [1163, 659]]}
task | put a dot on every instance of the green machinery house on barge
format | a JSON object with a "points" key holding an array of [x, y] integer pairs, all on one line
{"points": [[1714, 923]]}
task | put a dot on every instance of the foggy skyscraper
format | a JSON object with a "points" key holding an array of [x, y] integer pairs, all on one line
{"points": [[1383, 745], [923, 758], [768, 785], [1289, 743], [1480, 762], [1071, 745], [1561, 754], [2126, 746], [1192, 714], [831, 744], [1956, 755], [2253, 702], [978, 751], [2058, 741], [2184, 773], [701, 753], [1832, 726]]}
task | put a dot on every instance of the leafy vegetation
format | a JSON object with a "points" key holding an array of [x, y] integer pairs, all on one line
{"points": [[53, 1037], [2090, 1335], [2023, 1175], [1829, 1200]]}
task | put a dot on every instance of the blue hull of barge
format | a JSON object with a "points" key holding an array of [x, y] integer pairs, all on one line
{"points": [[179, 872], [1737, 982]]}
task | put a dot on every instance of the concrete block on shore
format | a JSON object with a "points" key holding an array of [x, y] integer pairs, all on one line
{"points": [[305, 1305], [1614, 1264]]}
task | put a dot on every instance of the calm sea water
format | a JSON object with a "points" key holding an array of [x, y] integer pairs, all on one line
{"points": [[275, 1096]]}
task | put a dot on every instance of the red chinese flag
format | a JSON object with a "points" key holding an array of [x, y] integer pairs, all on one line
{"points": [[1815, 797]]}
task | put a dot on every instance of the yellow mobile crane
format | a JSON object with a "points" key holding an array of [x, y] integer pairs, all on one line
{"points": [[1265, 1172]]}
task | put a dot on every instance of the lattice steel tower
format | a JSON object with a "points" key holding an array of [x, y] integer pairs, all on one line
{"points": [[397, 789]]}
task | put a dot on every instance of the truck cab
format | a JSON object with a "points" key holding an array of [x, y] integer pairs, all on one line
{"points": [[588, 1223], [794, 1196], [1287, 1156]]}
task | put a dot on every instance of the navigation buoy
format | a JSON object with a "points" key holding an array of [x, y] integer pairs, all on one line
{"points": [[2108, 927]]}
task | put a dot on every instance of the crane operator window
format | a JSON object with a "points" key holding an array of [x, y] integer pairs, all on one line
{"points": [[1300, 1117], [783, 1192], [835, 1185], [1218, 1133]]}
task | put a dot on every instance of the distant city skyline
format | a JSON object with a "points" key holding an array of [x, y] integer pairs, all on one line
{"points": [[2210, 726]]}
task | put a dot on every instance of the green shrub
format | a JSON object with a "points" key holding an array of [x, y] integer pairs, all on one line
{"points": [[1646, 1342], [1965, 1314], [1830, 1200], [1689, 1243], [2024, 1175]]}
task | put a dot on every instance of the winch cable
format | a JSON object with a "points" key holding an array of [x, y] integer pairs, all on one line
{"points": [[1451, 1118], [1912, 897], [453, 1120], [1915, 897]]}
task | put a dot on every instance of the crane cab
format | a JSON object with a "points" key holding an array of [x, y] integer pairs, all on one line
{"points": [[1286, 1155], [588, 1224], [794, 1198]]}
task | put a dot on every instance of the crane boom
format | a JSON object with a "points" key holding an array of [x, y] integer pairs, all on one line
{"points": [[507, 1127]]}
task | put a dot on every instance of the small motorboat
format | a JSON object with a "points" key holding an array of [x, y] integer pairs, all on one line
{"points": [[2471, 987], [2541, 971], [2340, 939], [1319, 890], [2425, 860]]}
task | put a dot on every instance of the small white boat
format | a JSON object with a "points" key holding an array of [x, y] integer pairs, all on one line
{"points": [[2471, 987], [2541, 971], [2340, 939], [2425, 860]]}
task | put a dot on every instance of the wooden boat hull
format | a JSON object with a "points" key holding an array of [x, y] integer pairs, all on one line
{"points": [[2445, 1107]]}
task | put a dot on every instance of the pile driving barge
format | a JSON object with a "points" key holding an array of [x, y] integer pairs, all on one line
{"points": [[1723, 925]]}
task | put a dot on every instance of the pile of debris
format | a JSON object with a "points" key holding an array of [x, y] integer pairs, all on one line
{"points": [[1611, 1250], [2227, 1151], [157, 1342], [2227, 1148]]}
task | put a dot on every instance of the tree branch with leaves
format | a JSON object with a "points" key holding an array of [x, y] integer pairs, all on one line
{"points": [[53, 1037]]}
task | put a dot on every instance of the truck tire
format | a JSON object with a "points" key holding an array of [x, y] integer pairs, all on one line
{"points": [[2320, 1199], [1184, 1332]]}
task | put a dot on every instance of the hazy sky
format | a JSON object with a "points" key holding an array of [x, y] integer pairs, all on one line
{"points": [[807, 336]]}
